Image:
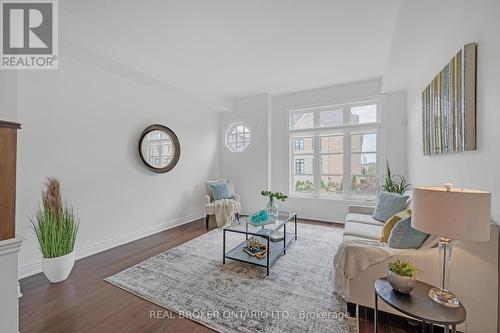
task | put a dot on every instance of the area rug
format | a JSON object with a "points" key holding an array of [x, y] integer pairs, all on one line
{"points": [[237, 297]]}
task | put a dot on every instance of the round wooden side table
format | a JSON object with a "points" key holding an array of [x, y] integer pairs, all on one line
{"points": [[419, 306]]}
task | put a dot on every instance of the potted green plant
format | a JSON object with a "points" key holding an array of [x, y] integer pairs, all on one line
{"points": [[55, 226], [393, 183], [272, 207], [401, 276]]}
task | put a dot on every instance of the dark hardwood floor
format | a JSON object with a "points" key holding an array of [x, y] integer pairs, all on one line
{"points": [[85, 303]]}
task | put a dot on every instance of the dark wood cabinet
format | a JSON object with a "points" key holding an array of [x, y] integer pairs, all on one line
{"points": [[8, 148]]}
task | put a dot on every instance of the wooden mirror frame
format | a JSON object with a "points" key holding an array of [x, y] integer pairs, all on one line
{"points": [[175, 142]]}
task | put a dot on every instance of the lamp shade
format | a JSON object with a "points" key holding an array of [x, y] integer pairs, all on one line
{"points": [[452, 213]]}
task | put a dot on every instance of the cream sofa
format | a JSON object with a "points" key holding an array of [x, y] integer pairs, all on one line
{"points": [[474, 272]]}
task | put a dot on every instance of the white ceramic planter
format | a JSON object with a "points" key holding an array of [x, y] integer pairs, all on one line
{"points": [[58, 269], [402, 284]]}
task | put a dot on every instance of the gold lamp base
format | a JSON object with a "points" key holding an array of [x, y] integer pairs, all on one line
{"points": [[444, 297]]}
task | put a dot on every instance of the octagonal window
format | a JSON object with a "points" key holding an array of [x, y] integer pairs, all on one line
{"points": [[238, 137]]}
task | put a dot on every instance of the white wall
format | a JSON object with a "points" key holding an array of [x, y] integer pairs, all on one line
{"points": [[81, 123], [8, 95], [392, 139], [249, 170], [429, 33], [439, 40], [9, 302]]}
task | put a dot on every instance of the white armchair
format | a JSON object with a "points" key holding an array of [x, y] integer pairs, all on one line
{"points": [[209, 200]]}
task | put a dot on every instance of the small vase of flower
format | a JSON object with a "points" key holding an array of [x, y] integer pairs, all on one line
{"points": [[401, 276], [272, 207]]}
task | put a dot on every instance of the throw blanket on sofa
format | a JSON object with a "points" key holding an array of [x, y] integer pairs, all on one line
{"points": [[224, 211], [353, 257]]}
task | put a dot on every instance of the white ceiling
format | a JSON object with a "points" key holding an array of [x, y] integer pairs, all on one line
{"points": [[231, 48]]}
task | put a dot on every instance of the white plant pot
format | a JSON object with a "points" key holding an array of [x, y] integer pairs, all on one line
{"points": [[402, 284], [58, 269]]}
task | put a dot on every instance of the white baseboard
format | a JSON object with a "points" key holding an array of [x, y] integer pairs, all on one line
{"points": [[88, 250], [338, 220], [330, 220], [29, 269]]}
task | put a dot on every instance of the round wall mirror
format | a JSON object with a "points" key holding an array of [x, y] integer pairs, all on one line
{"points": [[159, 148]]}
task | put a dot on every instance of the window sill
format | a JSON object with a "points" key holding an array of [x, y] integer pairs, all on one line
{"points": [[353, 199]]}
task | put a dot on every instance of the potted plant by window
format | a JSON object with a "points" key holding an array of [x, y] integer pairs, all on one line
{"points": [[393, 183], [55, 226], [272, 207], [401, 276]]}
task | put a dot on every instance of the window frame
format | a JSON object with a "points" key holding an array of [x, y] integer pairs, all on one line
{"points": [[346, 130], [301, 166], [233, 125], [300, 144]]}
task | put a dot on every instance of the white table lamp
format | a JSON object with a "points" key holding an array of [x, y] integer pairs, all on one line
{"points": [[450, 213]]}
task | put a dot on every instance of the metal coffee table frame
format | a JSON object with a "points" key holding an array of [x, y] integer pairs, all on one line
{"points": [[274, 248]]}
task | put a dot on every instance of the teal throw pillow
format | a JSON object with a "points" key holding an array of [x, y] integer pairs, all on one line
{"points": [[388, 204], [221, 190], [403, 236]]}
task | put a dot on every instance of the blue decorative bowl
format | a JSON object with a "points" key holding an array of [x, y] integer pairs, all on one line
{"points": [[260, 217]]}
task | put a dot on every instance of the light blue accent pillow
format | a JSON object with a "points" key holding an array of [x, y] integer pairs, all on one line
{"points": [[221, 190], [388, 204], [403, 236]]}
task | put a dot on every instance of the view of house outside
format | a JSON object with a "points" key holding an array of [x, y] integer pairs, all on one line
{"points": [[158, 149], [363, 154]]}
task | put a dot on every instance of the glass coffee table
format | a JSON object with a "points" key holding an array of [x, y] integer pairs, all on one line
{"points": [[264, 233]]}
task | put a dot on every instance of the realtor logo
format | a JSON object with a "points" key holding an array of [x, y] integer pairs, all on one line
{"points": [[29, 38]]}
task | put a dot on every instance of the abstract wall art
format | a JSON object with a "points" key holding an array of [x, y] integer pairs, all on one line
{"points": [[449, 106]]}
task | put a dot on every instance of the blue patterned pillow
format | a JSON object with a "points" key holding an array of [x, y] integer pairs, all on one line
{"points": [[403, 236], [388, 204], [221, 190]]}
